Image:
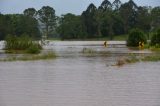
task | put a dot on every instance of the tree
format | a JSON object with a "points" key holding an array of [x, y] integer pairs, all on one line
{"points": [[106, 25], [90, 21], [30, 26], [135, 37], [31, 12], [116, 5], [105, 5], [5, 26], [118, 26], [71, 27], [155, 41], [128, 12], [155, 14], [18, 24], [105, 20], [143, 19], [24, 24], [47, 17]]}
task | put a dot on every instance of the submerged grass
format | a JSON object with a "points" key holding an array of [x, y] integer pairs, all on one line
{"points": [[123, 61], [151, 58], [134, 59], [88, 50], [49, 55], [154, 49]]}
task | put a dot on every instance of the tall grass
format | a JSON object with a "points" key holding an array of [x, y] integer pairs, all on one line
{"points": [[24, 43]]}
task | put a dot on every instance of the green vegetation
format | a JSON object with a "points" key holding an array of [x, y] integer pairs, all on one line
{"points": [[34, 49], [120, 37], [154, 48], [155, 40], [23, 44], [48, 19], [116, 38], [71, 27], [154, 45], [134, 59], [109, 20], [32, 57], [18, 24], [136, 36], [131, 59], [151, 58]]}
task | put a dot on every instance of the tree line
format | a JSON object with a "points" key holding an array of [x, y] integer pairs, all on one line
{"points": [[107, 20]]}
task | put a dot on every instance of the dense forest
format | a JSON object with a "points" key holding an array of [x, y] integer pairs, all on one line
{"points": [[108, 20]]}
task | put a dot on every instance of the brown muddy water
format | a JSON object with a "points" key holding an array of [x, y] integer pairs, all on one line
{"points": [[78, 77]]}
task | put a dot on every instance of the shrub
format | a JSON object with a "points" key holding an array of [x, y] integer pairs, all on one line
{"points": [[17, 43], [136, 36], [21, 44], [33, 49], [155, 40]]}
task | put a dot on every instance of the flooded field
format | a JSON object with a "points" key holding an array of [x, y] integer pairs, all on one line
{"points": [[81, 75]]}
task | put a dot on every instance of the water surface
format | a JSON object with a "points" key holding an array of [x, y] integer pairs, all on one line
{"points": [[75, 78]]}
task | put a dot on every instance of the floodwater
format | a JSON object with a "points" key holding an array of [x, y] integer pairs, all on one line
{"points": [[79, 78]]}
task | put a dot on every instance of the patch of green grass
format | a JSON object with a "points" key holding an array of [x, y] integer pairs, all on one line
{"points": [[146, 46], [134, 59], [151, 58], [54, 39], [131, 60], [155, 48], [32, 57], [120, 38]]}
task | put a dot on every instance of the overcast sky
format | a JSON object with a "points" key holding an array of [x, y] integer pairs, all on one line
{"points": [[61, 6]]}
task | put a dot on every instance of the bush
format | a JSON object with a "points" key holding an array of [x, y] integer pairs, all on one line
{"points": [[21, 44], [17, 43], [155, 40], [136, 36], [33, 49]]}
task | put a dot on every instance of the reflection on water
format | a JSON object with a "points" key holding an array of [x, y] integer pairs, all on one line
{"points": [[78, 79]]}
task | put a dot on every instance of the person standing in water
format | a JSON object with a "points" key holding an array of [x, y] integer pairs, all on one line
{"points": [[105, 44]]}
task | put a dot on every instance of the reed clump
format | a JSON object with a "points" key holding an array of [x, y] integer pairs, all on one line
{"points": [[22, 44]]}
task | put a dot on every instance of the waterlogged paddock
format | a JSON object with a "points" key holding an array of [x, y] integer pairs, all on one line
{"points": [[81, 75]]}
